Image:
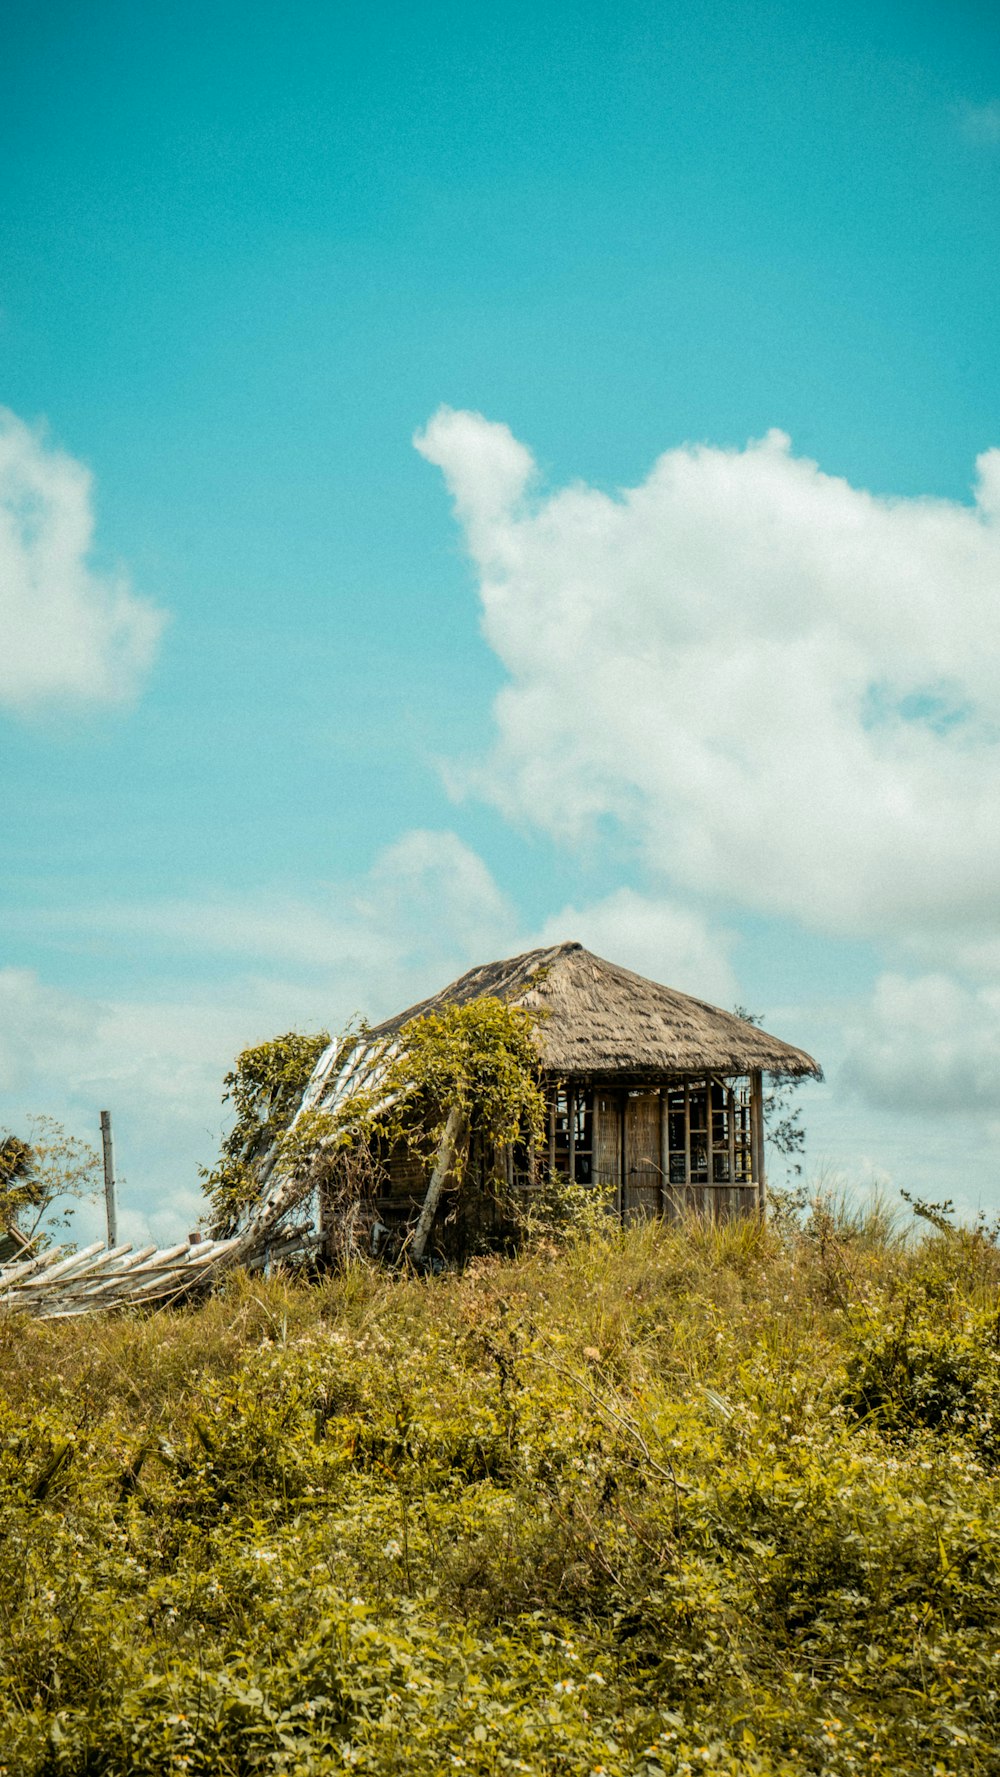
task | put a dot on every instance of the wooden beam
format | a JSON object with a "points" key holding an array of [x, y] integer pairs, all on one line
{"points": [[757, 1139], [687, 1146], [64, 1267], [110, 1199], [664, 1147], [444, 1160], [552, 1134], [623, 1161]]}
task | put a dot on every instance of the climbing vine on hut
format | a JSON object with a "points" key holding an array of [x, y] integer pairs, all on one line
{"points": [[264, 1087], [479, 1060], [476, 1063]]}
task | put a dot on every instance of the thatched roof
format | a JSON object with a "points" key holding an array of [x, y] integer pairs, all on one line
{"points": [[598, 1019]]}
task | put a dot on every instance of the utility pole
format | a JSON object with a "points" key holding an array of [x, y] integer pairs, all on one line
{"points": [[107, 1143]]}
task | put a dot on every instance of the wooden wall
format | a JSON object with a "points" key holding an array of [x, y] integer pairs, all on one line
{"points": [[718, 1172]]}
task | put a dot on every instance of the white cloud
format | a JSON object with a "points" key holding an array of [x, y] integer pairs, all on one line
{"points": [[787, 688], [158, 1067], [427, 909], [69, 632], [656, 938], [980, 123], [427, 898], [929, 1044]]}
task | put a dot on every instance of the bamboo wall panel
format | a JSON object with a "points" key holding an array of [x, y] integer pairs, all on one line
{"points": [[607, 1143], [642, 1155]]}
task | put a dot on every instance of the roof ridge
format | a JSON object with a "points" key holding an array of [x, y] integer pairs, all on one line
{"points": [[635, 1025]]}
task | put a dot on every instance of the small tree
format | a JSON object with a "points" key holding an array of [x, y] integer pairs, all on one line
{"points": [[784, 1130], [42, 1179]]}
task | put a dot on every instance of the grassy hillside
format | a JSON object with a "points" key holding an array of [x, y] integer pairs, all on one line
{"points": [[664, 1502]]}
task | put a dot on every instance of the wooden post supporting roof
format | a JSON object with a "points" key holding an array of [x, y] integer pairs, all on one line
{"points": [[757, 1138], [664, 1147], [443, 1162]]}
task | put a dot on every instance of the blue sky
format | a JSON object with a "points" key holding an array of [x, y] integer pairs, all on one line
{"points": [[247, 254]]}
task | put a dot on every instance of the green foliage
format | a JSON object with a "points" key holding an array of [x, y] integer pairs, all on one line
{"points": [[265, 1088], [18, 1186], [43, 1178], [930, 1358], [784, 1130], [480, 1058], [661, 1501]]}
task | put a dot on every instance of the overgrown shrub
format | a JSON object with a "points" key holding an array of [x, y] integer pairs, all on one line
{"points": [[652, 1502], [264, 1087]]}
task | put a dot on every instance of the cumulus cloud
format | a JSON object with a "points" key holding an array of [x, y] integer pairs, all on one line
{"points": [[427, 899], [157, 1065], [929, 1044], [786, 687], [427, 909], [70, 632], [655, 937]]}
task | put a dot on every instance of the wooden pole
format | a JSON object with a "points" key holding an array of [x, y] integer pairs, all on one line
{"points": [[623, 1162], [664, 1149], [757, 1139], [110, 1206], [688, 1196], [552, 1135], [731, 1122], [443, 1162]]}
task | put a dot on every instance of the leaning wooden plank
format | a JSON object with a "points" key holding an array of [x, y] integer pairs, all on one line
{"points": [[203, 1250], [95, 1266], [106, 1292], [25, 1267], [364, 1070], [148, 1277], [117, 1292], [64, 1267], [209, 1250], [443, 1162], [164, 1264], [166, 1255], [130, 1264], [105, 1289], [151, 1277], [167, 1284], [91, 1288], [199, 1258]]}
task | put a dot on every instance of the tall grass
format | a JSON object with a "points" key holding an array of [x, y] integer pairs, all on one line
{"points": [[663, 1500]]}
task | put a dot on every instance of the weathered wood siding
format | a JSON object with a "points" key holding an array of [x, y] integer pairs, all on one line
{"points": [[642, 1156], [607, 1143]]}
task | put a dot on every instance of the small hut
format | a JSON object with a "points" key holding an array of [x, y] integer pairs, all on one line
{"points": [[654, 1099]]}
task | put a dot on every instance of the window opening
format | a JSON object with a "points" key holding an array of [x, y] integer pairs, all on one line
{"points": [[708, 1133], [572, 1130]]}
